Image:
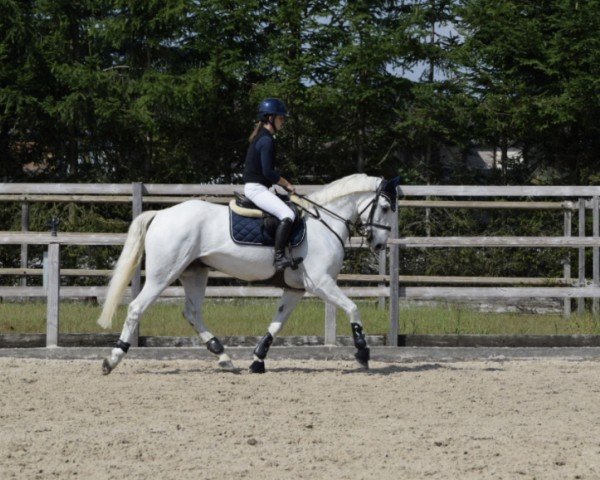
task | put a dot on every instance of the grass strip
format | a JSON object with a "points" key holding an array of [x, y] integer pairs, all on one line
{"points": [[252, 317]]}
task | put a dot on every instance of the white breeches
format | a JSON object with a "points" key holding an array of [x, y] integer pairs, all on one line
{"points": [[268, 201]]}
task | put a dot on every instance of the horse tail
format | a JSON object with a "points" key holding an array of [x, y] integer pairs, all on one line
{"points": [[130, 258]]}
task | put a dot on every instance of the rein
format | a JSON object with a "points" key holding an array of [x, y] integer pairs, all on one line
{"points": [[349, 225], [317, 216]]}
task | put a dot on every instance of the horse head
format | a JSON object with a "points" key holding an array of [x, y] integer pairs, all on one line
{"points": [[377, 215]]}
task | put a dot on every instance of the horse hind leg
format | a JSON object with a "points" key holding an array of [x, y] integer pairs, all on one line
{"points": [[136, 308], [194, 280], [288, 302]]}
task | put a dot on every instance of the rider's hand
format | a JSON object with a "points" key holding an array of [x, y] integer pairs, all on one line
{"points": [[286, 185]]}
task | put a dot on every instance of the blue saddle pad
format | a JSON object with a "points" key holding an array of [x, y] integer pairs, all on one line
{"points": [[250, 231]]}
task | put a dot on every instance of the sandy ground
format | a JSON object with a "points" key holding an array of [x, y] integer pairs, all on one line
{"points": [[181, 419]]}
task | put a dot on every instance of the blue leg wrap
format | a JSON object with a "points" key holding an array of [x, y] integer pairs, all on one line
{"points": [[123, 345], [360, 341], [263, 346], [215, 346]]}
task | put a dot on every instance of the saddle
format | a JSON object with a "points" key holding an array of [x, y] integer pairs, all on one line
{"points": [[249, 225]]}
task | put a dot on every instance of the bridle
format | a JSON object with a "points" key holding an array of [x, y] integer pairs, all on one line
{"points": [[360, 229]]}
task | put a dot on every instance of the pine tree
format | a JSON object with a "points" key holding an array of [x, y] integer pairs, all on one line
{"points": [[20, 89], [436, 116], [533, 68]]}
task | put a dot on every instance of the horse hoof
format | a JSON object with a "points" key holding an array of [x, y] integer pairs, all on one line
{"points": [[106, 367], [362, 357], [226, 364], [257, 367]]}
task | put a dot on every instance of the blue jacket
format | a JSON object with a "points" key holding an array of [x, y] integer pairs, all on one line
{"points": [[260, 160]]}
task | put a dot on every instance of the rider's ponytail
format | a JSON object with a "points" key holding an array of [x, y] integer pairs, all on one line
{"points": [[254, 133]]}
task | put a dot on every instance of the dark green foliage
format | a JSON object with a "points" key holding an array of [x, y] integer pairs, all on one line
{"points": [[116, 90], [495, 262], [165, 92], [533, 67]]}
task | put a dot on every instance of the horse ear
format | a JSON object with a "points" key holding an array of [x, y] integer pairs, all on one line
{"points": [[388, 188]]}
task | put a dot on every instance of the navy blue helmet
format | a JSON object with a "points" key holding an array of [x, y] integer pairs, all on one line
{"points": [[271, 106]]}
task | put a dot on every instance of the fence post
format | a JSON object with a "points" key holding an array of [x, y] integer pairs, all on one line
{"points": [[45, 271], [567, 261], [24, 247], [392, 339], [382, 270], [330, 323], [581, 259], [53, 295], [595, 252], [136, 281]]}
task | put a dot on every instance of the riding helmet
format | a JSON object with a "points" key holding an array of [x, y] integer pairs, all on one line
{"points": [[271, 106]]}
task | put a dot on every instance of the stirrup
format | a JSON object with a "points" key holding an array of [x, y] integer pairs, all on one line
{"points": [[285, 262], [296, 262]]}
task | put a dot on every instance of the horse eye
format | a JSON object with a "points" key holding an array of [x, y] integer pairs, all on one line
{"points": [[385, 209]]}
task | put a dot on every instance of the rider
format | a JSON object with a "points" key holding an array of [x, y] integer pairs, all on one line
{"points": [[259, 176]]}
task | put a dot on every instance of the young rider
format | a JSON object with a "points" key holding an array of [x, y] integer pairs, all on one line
{"points": [[260, 175]]}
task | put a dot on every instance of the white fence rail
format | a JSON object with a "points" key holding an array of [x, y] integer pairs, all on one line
{"points": [[570, 199]]}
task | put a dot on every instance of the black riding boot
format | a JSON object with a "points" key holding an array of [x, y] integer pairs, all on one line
{"points": [[282, 235]]}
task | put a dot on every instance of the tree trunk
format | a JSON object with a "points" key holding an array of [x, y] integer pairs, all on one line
{"points": [[504, 159], [495, 160], [148, 157], [360, 141]]}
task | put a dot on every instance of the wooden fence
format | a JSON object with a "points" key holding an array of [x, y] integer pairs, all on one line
{"points": [[570, 199]]}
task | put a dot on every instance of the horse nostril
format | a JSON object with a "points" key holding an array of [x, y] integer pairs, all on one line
{"points": [[378, 247]]}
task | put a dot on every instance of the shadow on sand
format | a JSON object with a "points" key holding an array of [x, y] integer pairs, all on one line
{"points": [[388, 369]]}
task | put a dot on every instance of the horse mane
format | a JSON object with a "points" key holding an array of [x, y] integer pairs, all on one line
{"points": [[358, 182]]}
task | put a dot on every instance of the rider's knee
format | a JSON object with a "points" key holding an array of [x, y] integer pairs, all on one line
{"points": [[288, 216]]}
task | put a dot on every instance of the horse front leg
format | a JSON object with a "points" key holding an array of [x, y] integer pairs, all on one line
{"points": [[288, 302], [328, 290], [194, 281]]}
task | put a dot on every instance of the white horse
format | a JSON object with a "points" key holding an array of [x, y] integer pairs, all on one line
{"points": [[186, 240]]}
